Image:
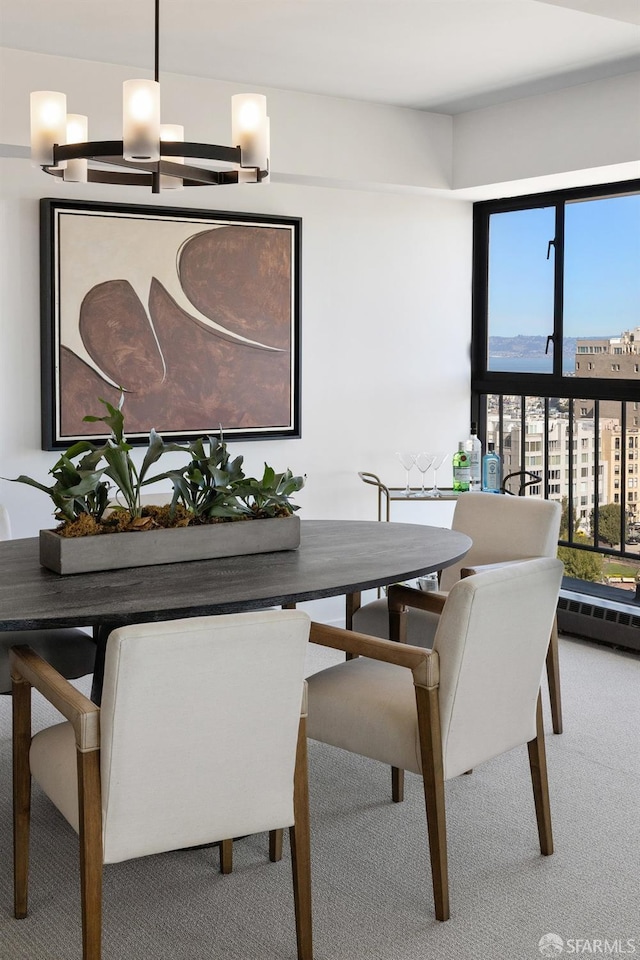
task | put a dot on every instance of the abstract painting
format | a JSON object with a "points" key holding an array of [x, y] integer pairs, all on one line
{"points": [[192, 315]]}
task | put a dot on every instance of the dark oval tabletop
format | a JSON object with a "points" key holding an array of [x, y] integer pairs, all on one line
{"points": [[335, 557]]}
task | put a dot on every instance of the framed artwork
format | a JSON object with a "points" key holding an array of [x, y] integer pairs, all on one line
{"points": [[194, 315]]}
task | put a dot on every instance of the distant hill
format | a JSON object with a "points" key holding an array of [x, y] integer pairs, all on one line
{"points": [[523, 346]]}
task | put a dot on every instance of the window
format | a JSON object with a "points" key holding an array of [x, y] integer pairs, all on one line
{"points": [[555, 276], [556, 353]]}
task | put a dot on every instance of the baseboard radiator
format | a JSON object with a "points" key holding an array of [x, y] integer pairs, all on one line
{"points": [[606, 621]]}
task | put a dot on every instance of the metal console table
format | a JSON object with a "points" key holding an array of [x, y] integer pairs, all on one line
{"points": [[388, 494]]}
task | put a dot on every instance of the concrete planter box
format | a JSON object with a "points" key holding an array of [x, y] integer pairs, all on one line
{"points": [[113, 551]]}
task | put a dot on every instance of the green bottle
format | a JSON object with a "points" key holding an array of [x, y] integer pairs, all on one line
{"points": [[461, 469]]}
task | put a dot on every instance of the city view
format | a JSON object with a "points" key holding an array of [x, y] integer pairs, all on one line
{"points": [[561, 302], [584, 452]]}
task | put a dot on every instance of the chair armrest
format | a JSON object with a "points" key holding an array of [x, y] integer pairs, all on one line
{"points": [[423, 663], [485, 567], [83, 714], [399, 595]]}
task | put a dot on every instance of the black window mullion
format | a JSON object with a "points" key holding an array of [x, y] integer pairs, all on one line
{"points": [[558, 293], [596, 467], [523, 435], [545, 450], [623, 472], [570, 504]]}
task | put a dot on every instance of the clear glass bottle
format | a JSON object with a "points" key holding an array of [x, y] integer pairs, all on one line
{"points": [[461, 469], [474, 451], [491, 471]]}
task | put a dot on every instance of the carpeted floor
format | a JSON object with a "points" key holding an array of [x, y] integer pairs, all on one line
{"points": [[372, 885]]}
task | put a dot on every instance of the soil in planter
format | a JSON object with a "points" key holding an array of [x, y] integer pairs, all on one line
{"points": [[153, 518]]}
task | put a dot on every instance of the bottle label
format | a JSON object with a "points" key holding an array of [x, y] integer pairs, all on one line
{"points": [[461, 478], [491, 479]]}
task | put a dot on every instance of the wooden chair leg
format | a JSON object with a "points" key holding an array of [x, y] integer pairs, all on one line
{"points": [[539, 780], [21, 795], [433, 780], [397, 785], [397, 633], [299, 835], [353, 604], [553, 677], [226, 856], [89, 804], [275, 845]]}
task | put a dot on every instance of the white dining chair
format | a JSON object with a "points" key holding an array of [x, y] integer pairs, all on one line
{"points": [[200, 738], [441, 712], [503, 529]]}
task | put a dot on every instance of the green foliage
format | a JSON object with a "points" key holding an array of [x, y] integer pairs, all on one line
{"points": [[213, 486], [210, 486], [206, 485], [120, 467], [78, 487], [269, 497], [564, 520], [581, 564], [609, 523]]}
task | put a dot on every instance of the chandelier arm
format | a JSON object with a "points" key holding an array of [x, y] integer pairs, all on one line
{"points": [[111, 151], [139, 177], [107, 176]]}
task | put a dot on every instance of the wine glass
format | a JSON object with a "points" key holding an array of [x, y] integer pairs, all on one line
{"points": [[423, 462], [408, 461], [438, 460]]}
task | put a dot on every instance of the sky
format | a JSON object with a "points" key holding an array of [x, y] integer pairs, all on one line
{"points": [[602, 269]]}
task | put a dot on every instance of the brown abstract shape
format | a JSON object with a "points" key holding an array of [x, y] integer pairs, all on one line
{"points": [[210, 380], [239, 276], [213, 380], [81, 389], [116, 332]]}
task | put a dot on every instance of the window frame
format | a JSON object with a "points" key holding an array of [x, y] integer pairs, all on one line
{"points": [[484, 381]]}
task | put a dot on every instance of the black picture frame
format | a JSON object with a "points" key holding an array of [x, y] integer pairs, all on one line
{"points": [[194, 314]]}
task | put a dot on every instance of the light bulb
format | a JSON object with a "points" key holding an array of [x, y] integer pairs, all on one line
{"points": [[249, 128], [141, 120], [77, 132], [48, 125]]}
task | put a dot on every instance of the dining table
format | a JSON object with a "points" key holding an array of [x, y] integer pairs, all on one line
{"points": [[335, 557]]}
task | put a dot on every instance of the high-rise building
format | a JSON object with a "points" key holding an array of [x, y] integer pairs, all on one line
{"points": [[610, 358]]}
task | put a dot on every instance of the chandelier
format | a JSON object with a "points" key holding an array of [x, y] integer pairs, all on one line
{"points": [[150, 153]]}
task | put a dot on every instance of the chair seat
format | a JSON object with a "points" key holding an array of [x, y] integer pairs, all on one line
{"points": [[373, 619], [70, 650], [344, 695]]}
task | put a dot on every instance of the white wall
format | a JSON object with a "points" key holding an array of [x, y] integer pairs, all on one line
{"points": [[587, 126]]}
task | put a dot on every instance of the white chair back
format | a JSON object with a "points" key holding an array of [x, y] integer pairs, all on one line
{"points": [[502, 529], [198, 731], [492, 640]]}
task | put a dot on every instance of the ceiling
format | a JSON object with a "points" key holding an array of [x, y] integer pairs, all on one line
{"points": [[445, 56]]}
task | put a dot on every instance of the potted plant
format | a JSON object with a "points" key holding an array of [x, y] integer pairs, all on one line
{"points": [[210, 492]]}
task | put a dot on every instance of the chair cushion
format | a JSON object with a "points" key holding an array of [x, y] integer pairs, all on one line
{"points": [[373, 619], [369, 708], [72, 652]]}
